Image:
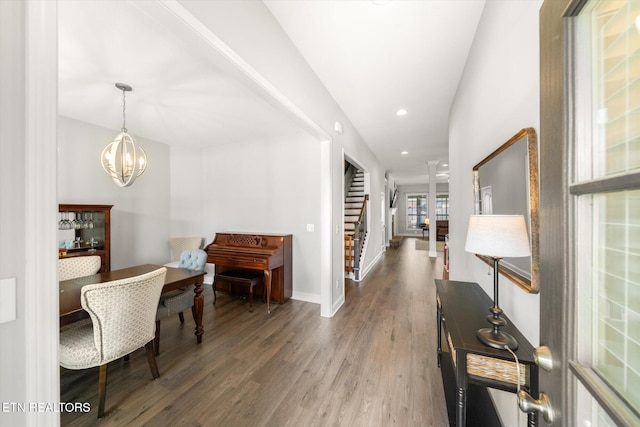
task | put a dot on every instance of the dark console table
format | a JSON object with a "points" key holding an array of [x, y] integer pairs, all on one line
{"points": [[462, 310]]}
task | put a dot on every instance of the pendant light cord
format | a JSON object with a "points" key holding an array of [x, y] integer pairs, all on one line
{"points": [[124, 117]]}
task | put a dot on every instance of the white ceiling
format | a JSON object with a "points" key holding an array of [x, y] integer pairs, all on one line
{"points": [[183, 93], [372, 59], [375, 59]]}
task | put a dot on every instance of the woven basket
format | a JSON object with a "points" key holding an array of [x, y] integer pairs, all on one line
{"points": [[492, 368]]}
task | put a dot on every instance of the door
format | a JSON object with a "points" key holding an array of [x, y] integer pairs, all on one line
{"points": [[486, 195], [590, 209]]}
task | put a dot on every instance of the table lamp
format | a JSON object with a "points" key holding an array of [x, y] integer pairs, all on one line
{"points": [[497, 236]]}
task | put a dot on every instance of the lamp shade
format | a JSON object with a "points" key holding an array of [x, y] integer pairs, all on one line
{"points": [[498, 236]]}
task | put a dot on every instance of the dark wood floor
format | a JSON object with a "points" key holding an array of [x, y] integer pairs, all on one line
{"points": [[372, 364]]}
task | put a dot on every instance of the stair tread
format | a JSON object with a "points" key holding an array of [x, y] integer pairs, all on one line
{"points": [[353, 202]]}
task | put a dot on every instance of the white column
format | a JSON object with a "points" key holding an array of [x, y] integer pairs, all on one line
{"points": [[42, 382], [432, 208]]}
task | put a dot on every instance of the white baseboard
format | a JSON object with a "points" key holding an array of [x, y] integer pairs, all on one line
{"points": [[303, 296], [368, 268], [316, 299], [336, 306]]}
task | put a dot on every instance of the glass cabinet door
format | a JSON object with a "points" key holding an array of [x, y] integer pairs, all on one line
{"points": [[85, 230]]}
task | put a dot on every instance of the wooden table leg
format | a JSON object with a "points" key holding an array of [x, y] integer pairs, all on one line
{"points": [[439, 333], [267, 284], [198, 304], [534, 390], [461, 388]]}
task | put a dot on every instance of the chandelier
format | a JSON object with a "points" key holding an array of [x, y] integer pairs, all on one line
{"points": [[123, 160]]}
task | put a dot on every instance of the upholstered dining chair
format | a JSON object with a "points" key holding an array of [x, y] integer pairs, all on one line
{"points": [[180, 244], [176, 302], [122, 320], [79, 266]]}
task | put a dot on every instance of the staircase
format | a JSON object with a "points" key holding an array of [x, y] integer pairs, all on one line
{"points": [[355, 231]]}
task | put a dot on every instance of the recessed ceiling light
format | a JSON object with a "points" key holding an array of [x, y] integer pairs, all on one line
{"points": [[404, 152], [401, 112], [445, 164]]}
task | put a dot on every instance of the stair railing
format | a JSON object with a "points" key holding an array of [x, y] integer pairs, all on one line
{"points": [[358, 237], [348, 250]]}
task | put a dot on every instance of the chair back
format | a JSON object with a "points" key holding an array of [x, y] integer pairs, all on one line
{"points": [[181, 244], [79, 266], [123, 312], [193, 260]]}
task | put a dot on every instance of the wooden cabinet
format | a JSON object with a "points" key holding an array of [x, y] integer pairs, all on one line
{"points": [[85, 230], [467, 365], [442, 230]]}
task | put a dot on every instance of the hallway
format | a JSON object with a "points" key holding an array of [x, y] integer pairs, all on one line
{"points": [[372, 364]]}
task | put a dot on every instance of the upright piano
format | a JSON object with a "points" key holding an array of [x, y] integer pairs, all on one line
{"points": [[270, 253]]}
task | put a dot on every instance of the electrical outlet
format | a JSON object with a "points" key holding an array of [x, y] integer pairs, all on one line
{"points": [[310, 228], [337, 284]]}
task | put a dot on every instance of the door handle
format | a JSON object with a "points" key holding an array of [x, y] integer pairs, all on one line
{"points": [[528, 404], [542, 357]]}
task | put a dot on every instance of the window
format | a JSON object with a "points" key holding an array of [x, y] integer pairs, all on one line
{"points": [[417, 210], [606, 189], [442, 207]]}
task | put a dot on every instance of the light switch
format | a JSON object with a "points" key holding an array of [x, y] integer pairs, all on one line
{"points": [[310, 228], [8, 301]]}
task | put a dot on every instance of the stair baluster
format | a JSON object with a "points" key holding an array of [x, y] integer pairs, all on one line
{"points": [[355, 221]]}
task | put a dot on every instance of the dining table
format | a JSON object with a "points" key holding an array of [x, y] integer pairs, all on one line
{"points": [[70, 290]]}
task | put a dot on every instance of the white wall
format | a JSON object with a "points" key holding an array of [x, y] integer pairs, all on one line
{"points": [[189, 187], [257, 186], [269, 187], [140, 218], [251, 31], [497, 96], [13, 351]]}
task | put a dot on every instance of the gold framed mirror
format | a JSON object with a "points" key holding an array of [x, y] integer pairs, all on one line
{"points": [[506, 183]]}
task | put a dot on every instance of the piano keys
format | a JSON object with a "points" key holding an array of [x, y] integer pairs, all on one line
{"points": [[270, 253]]}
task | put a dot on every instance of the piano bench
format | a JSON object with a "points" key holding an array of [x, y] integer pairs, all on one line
{"points": [[239, 277]]}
